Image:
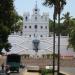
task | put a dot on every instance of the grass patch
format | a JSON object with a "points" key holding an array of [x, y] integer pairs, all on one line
{"points": [[48, 72]]}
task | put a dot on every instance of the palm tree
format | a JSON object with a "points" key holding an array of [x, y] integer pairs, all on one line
{"points": [[51, 3], [67, 21], [58, 7]]}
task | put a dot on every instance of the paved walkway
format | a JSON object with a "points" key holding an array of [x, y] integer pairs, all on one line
{"points": [[68, 70], [29, 73]]}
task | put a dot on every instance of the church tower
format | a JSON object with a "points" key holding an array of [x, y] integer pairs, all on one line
{"points": [[36, 25]]}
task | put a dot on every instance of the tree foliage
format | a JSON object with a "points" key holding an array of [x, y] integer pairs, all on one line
{"points": [[72, 34], [62, 28], [17, 26], [7, 19]]}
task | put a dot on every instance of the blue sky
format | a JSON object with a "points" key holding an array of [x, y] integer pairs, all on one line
{"points": [[27, 5]]}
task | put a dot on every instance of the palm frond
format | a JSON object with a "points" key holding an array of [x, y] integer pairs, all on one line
{"points": [[49, 3]]}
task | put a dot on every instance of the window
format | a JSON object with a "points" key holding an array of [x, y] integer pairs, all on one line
{"points": [[41, 27], [41, 35], [35, 26], [25, 26], [45, 27], [26, 18], [29, 26], [35, 11]]}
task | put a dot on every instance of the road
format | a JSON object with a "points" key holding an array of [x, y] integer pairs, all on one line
{"points": [[68, 70], [24, 72], [20, 72]]}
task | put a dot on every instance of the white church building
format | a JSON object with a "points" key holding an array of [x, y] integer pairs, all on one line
{"points": [[35, 39], [36, 25]]}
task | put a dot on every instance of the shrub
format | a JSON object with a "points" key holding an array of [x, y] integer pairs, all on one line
{"points": [[46, 71]]}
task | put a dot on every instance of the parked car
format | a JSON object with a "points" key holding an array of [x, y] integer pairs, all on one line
{"points": [[13, 60]]}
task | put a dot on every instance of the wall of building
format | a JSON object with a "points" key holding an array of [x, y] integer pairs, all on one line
{"points": [[23, 45]]}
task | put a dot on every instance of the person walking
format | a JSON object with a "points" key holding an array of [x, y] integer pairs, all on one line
{"points": [[2, 66]]}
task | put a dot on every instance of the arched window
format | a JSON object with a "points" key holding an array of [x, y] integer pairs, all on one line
{"points": [[25, 26], [29, 26], [26, 18], [35, 11], [41, 27], [35, 26], [41, 35], [45, 27]]}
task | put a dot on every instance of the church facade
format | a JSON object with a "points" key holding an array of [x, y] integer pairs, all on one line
{"points": [[36, 25]]}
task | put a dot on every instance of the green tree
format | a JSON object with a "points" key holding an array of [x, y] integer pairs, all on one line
{"points": [[72, 34], [51, 23], [6, 21], [17, 26], [69, 28], [63, 29], [66, 23]]}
